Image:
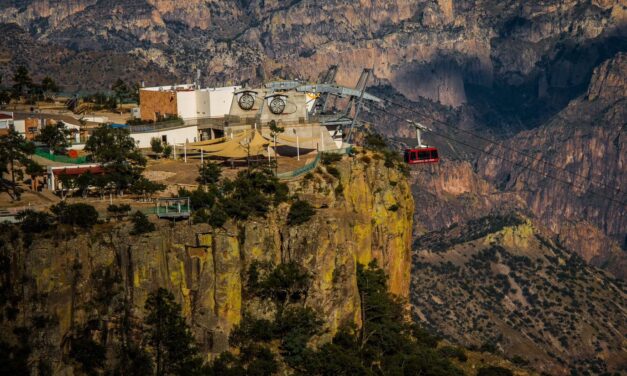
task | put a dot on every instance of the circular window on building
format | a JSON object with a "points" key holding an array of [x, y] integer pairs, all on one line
{"points": [[277, 105], [246, 101]]}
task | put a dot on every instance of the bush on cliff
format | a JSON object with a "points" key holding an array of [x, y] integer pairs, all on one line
{"points": [[286, 286], [35, 221], [250, 194], [385, 344], [81, 215], [329, 158], [141, 224], [118, 211], [300, 212]]}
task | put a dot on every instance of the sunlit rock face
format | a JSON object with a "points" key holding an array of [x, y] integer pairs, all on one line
{"points": [[364, 215]]}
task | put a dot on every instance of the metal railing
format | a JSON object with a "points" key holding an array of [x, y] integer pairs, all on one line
{"points": [[60, 158], [301, 170], [313, 164], [151, 127]]}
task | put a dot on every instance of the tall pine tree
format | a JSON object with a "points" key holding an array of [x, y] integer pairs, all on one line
{"points": [[169, 337]]}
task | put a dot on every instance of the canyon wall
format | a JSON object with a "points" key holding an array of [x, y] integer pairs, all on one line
{"points": [[450, 52], [574, 167], [90, 278]]}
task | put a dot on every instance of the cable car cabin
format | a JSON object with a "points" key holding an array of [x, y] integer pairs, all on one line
{"points": [[421, 155]]}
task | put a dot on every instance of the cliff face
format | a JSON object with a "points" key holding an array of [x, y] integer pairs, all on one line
{"points": [[503, 284], [86, 278], [583, 150], [452, 192]]}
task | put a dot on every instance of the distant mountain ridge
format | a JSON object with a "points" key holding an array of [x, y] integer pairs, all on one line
{"points": [[453, 52]]}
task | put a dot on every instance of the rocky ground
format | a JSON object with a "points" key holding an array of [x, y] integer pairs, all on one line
{"points": [[501, 283]]}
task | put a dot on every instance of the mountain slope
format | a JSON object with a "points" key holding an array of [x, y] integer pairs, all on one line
{"points": [[500, 282]]}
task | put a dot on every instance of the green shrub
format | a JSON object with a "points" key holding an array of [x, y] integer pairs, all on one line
{"points": [[141, 224], [308, 176], [200, 216], [167, 151], [146, 187], [519, 360], [391, 158], [119, 210], [288, 282], [34, 221], [300, 212], [81, 215], [209, 173], [251, 193], [217, 216], [90, 354], [156, 146], [453, 352], [375, 141]]}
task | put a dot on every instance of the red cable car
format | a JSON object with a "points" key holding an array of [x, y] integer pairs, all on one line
{"points": [[421, 153]]}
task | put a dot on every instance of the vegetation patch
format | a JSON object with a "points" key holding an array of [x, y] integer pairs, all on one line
{"points": [[300, 212], [330, 158], [141, 224]]}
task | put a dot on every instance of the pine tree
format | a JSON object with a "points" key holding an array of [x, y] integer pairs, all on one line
{"points": [[141, 224], [22, 80], [54, 137], [209, 173], [14, 150], [169, 336]]}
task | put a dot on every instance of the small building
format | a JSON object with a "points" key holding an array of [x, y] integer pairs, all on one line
{"points": [[176, 134], [52, 178], [29, 128], [6, 122], [186, 101]]}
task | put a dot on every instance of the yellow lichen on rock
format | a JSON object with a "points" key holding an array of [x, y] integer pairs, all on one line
{"points": [[206, 269]]}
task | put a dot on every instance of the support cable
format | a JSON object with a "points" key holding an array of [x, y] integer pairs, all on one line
{"points": [[496, 143], [523, 166]]}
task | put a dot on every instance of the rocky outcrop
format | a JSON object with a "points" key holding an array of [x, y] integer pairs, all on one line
{"points": [[363, 215], [609, 80], [452, 192]]}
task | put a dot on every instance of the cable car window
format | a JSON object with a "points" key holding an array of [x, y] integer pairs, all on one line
{"points": [[423, 155], [434, 154]]}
